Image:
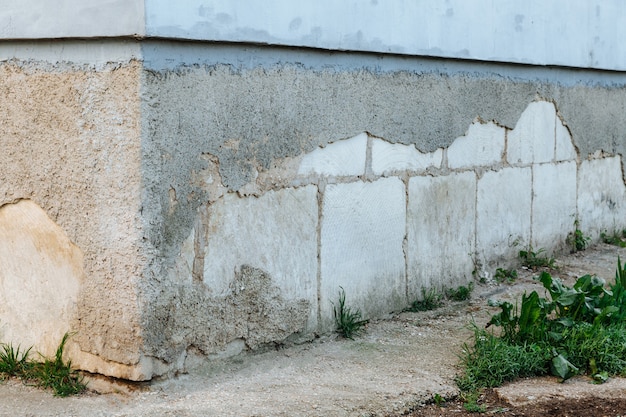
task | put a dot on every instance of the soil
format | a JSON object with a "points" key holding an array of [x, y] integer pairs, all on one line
{"points": [[395, 369]]}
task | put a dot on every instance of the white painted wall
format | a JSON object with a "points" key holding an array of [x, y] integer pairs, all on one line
{"points": [[577, 33], [33, 19]]}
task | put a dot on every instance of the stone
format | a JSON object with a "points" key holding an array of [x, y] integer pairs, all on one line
{"points": [[362, 230], [441, 231], [342, 158], [601, 196], [532, 140], [276, 233], [503, 205], [564, 147], [390, 157], [482, 145], [554, 204], [40, 279]]}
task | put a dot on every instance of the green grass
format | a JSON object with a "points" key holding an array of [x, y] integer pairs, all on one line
{"points": [[461, 293], [55, 374], [575, 330], [505, 275], [536, 259], [431, 300], [348, 320], [616, 238]]}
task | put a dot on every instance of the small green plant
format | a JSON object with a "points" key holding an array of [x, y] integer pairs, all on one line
{"points": [[349, 322], [578, 329], [538, 259], [461, 293], [505, 275], [12, 361], [578, 240], [616, 238], [439, 400], [470, 402], [431, 300], [55, 374]]}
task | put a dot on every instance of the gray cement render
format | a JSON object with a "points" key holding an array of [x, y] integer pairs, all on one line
{"points": [[236, 111]]}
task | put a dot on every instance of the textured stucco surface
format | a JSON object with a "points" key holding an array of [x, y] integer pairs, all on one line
{"points": [[71, 144], [139, 166]]}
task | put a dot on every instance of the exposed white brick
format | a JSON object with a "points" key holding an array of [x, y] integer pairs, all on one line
{"points": [[275, 232], [532, 140], [601, 196], [388, 157], [554, 204], [363, 227], [483, 145], [565, 150], [341, 158], [503, 207], [441, 231]]}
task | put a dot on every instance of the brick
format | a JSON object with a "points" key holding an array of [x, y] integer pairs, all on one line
{"points": [[564, 149]]}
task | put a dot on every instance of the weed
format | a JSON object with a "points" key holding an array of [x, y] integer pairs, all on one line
{"points": [[505, 275], [538, 259], [439, 400], [578, 329], [617, 238], [470, 402], [461, 293], [349, 322], [12, 361], [431, 300], [51, 373], [577, 239]]}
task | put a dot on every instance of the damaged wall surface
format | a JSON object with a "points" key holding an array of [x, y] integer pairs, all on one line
{"points": [[192, 200]]}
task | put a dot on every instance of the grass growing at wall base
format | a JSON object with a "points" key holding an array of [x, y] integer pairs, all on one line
{"points": [[55, 373], [576, 330]]}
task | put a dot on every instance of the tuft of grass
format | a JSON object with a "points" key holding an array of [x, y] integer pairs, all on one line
{"points": [[505, 275], [12, 361], [349, 321], [616, 238], [55, 374], [536, 259], [461, 293], [431, 300]]}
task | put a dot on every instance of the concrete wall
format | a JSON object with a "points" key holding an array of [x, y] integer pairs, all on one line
{"points": [[188, 200]]}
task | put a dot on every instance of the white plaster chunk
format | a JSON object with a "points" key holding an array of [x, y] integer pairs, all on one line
{"points": [[40, 277], [532, 140], [483, 145], [441, 231], [275, 232], [343, 158], [554, 204], [363, 227], [387, 157], [601, 196], [503, 205], [564, 149]]}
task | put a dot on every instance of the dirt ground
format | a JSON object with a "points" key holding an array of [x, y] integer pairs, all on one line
{"points": [[395, 369]]}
